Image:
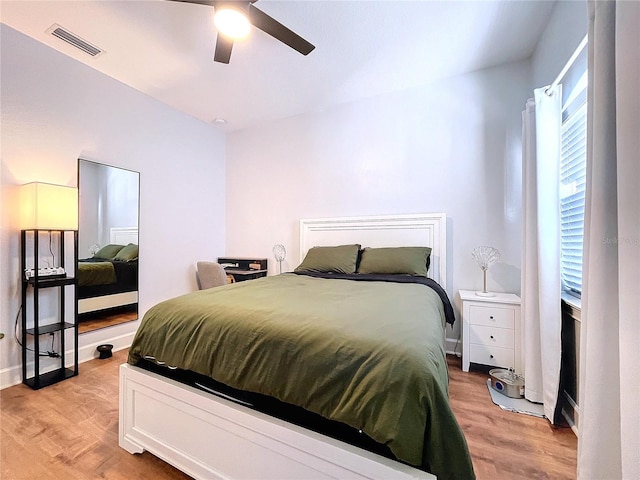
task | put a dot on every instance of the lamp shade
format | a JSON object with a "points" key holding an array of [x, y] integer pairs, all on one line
{"points": [[48, 207]]}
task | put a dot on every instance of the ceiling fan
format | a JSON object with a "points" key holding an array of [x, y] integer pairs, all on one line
{"points": [[246, 14]]}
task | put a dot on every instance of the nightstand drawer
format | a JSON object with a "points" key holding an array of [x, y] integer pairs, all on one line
{"points": [[491, 316], [492, 336], [489, 355]]}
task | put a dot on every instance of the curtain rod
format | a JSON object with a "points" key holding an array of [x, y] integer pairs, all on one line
{"points": [[567, 66]]}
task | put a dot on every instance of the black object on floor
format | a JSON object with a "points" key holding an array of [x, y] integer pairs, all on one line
{"points": [[105, 350]]}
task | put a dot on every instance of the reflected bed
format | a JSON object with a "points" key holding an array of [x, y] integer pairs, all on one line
{"points": [[109, 279]]}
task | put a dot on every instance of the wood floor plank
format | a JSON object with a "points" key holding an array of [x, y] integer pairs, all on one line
{"points": [[70, 430], [97, 320], [503, 444]]}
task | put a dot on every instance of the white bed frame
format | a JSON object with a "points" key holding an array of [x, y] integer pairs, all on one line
{"points": [[118, 236], [209, 437]]}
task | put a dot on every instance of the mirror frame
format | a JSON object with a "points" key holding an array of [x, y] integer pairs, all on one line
{"points": [[113, 304]]}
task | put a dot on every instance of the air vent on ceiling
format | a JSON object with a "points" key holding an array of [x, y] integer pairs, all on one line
{"points": [[72, 39]]}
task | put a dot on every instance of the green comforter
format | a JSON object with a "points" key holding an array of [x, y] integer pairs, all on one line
{"points": [[96, 273], [368, 354]]}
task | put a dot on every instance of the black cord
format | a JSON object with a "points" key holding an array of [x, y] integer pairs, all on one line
{"points": [[52, 353], [455, 348], [15, 328], [53, 257]]}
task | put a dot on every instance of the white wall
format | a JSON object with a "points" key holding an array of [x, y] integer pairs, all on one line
{"points": [[108, 198], [449, 147], [54, 110], [564, 32]]}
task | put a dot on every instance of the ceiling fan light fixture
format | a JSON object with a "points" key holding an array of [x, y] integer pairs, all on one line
{"points": [[232, 22]]}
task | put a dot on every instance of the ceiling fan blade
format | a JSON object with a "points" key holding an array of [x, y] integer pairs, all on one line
{"points": [[211, 3], [278, 31], [223, 49]]}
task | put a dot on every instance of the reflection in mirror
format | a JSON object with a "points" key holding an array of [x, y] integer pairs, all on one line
{"points": [[107, 245]]}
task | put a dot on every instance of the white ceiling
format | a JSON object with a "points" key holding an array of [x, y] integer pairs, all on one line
{"points": [[363, 48]]}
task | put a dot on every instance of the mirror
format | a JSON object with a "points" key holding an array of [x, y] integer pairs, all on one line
{"points": [[108, 201]]}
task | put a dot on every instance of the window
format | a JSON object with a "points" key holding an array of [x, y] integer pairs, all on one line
{"points": [[572, 185]]}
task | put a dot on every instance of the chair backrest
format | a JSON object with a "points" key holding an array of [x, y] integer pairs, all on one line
{"points": [[211, 274]]}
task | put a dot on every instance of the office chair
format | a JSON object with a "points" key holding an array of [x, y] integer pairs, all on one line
{"points": [[210, 274]]}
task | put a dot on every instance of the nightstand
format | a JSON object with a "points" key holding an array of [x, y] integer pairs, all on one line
{"points": [[491, 330]]}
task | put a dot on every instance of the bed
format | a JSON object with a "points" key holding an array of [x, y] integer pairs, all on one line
{"points": [[107, 281], [363, 349]]}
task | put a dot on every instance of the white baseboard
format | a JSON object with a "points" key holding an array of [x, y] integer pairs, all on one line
{"points": [[13, 375], [120, 342], [571, 413], [453, 347], [572, 425]]}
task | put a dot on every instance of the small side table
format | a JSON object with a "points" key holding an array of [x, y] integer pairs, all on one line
{"points": [[491, 330]]}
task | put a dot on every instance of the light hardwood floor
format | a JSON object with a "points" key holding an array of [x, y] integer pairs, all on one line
{"points": [[103, 320], [70, 431], [507, 445]]}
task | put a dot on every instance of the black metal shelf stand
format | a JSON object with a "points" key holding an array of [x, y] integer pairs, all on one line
{"points": [[29, 259]]}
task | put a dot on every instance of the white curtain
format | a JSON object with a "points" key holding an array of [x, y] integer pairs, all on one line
{"points": [[609, 393], [541, 311]]}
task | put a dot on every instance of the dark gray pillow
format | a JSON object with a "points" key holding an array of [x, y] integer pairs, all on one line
{"points": [[340, 259], [108, 252], [395, 260]]}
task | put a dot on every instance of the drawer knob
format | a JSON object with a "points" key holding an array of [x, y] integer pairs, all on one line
{"points": [[491, 317], [491, 337], [490, 356]]}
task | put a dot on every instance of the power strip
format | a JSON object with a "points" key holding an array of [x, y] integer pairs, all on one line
{"points": [[57, 272]]}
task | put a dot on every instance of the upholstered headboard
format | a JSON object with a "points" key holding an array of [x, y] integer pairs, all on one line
{"points": [[427, 229]]}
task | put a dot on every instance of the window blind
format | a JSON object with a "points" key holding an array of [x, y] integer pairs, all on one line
{"points": [[572, 194]]}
